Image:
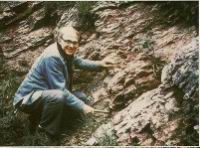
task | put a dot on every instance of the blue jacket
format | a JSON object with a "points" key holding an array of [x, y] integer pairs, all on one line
{"points": [[50, 72]]}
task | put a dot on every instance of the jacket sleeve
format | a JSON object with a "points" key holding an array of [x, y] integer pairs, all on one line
{"points": [[54, 72], [86, 64]]}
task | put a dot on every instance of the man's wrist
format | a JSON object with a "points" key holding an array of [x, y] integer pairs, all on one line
{"points": [[88, 109]]}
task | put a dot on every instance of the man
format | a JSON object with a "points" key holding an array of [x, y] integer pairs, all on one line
{"points": [[47, 89]]}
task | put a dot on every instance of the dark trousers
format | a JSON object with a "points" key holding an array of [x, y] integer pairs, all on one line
{"points": [[49, 110]]}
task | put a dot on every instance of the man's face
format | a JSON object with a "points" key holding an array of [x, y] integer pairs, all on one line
{"points": [[69, 40], [70, 47]]}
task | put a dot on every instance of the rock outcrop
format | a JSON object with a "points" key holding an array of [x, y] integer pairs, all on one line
{"points": [[121, 35], [182, 72], [26, 27], [153, 93], [149, 120]]}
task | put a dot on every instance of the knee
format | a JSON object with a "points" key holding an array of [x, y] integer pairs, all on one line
{"points": [[56, 96], [59, 95]]}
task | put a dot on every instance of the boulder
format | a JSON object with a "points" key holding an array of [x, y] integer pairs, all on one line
{"points": [[182, 72]]}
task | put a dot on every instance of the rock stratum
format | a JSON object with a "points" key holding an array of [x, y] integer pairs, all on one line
{"points": [[154, 118]]}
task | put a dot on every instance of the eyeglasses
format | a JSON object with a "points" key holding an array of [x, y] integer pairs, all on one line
{"points": [[72, 43]]}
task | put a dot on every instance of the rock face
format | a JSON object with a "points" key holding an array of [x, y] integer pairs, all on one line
{"points": [[182, 72], [121, 35], [149, 101], [26, 27], [149, 119], [129, 83]]}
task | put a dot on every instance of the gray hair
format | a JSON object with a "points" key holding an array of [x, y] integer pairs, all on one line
{"points": [[60, 32]]}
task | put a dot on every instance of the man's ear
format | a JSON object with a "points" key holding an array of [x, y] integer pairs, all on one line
{"points": [[59, 38], [79, 36]]}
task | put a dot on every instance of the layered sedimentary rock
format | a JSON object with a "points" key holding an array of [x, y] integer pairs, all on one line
{"points": [[154, 117], [147, 106]]}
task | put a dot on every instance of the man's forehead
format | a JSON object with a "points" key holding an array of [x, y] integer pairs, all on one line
{"points": [[69, 33], [70, 37]]}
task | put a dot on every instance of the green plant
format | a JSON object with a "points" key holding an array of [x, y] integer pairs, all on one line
{"points": [[86, 18], [8, 86]]}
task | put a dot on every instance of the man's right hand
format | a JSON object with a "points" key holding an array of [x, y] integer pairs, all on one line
{"points": [[108, 63], [88, 109]]}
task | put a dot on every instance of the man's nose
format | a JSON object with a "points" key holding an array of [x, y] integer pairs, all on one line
{"points": [[71, 45]]}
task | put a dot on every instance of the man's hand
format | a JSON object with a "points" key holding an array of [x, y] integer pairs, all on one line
{"points": [[108, 63], [88, 109]]}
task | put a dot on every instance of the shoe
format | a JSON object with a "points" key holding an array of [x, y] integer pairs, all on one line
{"points": [[41, 129]]}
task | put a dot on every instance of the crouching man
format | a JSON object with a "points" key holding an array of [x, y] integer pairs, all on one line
{"points": [[47, 89]]}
